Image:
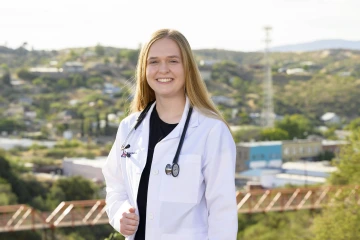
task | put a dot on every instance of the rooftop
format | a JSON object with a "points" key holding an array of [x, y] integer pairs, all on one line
{"points": [[323, 166], [300, 178], [258, 144], [98, 162]]}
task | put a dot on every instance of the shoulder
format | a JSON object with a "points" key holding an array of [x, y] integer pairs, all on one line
{"points": [[128, 121], [210, 121]]}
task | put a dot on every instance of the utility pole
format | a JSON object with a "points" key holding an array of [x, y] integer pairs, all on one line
{"points": [[267, 114]]}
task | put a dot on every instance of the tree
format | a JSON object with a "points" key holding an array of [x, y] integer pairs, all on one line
{"points": [[345, 209], [74, 188], [296, 125], [118, 58], [100, 50], [274, 134], [107, 127], [77, 80], [62, 84], [7, 197], [6, 79], [353, 125], [82, 125], [97, 124], [130, 54], [349, 162], [244, 118], [25, 74]]}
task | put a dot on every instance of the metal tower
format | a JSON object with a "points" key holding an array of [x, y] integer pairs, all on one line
{"points": [[267, 114]]}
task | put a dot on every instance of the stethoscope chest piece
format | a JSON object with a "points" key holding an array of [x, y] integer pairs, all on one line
{"points": [[173, 169]]}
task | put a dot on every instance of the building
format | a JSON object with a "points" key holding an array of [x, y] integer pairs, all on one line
{"points": [[87, 168], [330, 118], [258, 155], [223, 100], [205, 74], [332, 146], [256, 176], [9, 143], [300, 149], [110, 89], [73, 67], [302, 173]]}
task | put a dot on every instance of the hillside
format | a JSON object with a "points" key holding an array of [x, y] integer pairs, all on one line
{"points": [[309, 83]]}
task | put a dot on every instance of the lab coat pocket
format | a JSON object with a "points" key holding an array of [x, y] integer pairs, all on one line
{"points": [[185, 187]]}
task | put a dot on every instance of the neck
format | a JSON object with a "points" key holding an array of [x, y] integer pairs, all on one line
{"points": [[170, 110]]}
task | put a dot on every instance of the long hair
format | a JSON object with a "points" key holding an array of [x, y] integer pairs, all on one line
{"points": [[195, 87]]}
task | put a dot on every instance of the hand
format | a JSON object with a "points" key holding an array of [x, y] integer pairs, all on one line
{"points": [[129, 222]]}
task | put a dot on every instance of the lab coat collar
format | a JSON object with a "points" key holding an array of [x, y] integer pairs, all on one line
{"points": [[194, 121]]}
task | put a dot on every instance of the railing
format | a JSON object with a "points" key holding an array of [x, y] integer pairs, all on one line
{"points": [[92, 212], [291, 199], [74, 213]]}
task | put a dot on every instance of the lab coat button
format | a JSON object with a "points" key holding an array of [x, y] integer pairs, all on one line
{"points": [[156, 172], [151, 216]]}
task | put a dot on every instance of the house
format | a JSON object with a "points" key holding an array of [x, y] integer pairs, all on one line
{"points": [[45, 70], [223, 100], [205, 74], [295, 71], [25, 100], [330, 118], [208, 62], [73, 67], [110, 89], [14, 110], [18, 84], [30, 114]]}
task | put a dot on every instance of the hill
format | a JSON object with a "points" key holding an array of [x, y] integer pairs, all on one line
{"points": [[319, 45]]}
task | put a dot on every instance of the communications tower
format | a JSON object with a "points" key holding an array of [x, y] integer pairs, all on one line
{"points": [[267, 113]]}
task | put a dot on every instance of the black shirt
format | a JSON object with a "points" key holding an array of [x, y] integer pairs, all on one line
{"points": [[158, 131]]}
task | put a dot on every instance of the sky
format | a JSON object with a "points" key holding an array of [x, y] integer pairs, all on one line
{"points": [[224, 24]]}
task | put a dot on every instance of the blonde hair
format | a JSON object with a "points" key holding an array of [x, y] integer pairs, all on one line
{"points": [[195, 87]]}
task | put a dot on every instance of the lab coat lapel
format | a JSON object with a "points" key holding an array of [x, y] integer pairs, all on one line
{"points": [[176, 133], [142, 138]]}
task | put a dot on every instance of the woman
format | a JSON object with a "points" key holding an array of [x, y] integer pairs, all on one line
{"points": [[194, 198]]}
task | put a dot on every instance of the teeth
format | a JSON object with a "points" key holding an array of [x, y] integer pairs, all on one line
{"points": [[164, 79]]}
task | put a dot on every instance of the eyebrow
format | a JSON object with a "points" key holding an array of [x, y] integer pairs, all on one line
{"points": [[172, 56]]}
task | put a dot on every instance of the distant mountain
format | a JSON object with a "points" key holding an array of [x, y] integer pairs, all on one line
{"points": [[318, 45]]}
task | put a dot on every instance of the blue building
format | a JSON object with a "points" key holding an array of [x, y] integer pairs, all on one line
{"points": [[259, 155]]}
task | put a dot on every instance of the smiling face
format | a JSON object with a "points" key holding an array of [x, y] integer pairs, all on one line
{"points": [[165, 70]]}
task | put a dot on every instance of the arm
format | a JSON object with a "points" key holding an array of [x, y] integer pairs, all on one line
{"points": [[117, 201], [219, 174]]}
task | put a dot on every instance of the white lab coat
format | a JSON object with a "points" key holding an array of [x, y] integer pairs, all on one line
{"points": [[200, 203]]}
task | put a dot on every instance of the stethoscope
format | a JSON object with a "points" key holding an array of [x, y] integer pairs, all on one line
{"points": [[170, 169]]}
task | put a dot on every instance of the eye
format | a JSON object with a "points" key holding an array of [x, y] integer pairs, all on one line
{"points": [[174, 61], [152, 62]]}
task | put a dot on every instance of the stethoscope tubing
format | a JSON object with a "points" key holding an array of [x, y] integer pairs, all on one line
{"points": [[175, 164]]}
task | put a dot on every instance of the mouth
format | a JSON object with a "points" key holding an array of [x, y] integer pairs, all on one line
{"points": [[164, 80]]}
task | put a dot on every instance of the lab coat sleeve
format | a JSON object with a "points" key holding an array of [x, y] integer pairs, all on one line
{"points": [[219, 174], [117, 201]]}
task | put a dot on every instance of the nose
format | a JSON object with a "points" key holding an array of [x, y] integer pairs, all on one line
{"points": [[163, 68]]}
